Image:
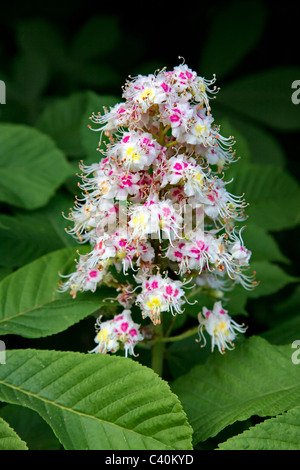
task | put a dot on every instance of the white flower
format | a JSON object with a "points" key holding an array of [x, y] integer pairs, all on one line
{"points": [[200, 132], [106, 338], [144, 91], [154, 217], [220, 204], [220, 326], [86, 277], [135, 150], [177, 115], [120, 331], [111, 120], [157, 194], [159, 295], [238, 250], [199, 252], [186, 171]]}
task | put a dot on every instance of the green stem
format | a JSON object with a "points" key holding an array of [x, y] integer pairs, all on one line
{"points": [[171, 143], [158, 351], [184, 335], [170, 339]]}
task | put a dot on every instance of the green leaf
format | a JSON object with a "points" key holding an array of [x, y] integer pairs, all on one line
{"points": [[66, 120], [4, 272], [235, 30], [264, 147], [30, 77], [255, 379], [271, 279], [39, 309], [289, 305], [273, 195], [98, 36], [280, 433], [31, 166], [61, 120], [96, 402], [25, 236], [241, 146], [39, 36], [9, 440], [262, 244], [30, 427], [236, 301], [265, 97], [284, 332]]}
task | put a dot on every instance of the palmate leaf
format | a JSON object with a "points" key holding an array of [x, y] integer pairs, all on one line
{"points": [[66, 120], [27, 235], [280, 433], [30, 427], [257, 378], [96, 401], [264, 147], [286, 331], [273, 195], [61, 121], [264, 97], [271, 279], [262, 244], [31, 306], [32, 167], [9, 440]]}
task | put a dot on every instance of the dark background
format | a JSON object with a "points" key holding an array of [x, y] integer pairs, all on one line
{"points": [[154, 35], [159, 31]]}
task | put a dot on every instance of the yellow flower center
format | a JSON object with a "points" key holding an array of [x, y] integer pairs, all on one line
{"points": [[148, 93], [221, 327], [102, 335], [154, 302], [132, 154], [200, 129], [199, 177], [139, 219]]}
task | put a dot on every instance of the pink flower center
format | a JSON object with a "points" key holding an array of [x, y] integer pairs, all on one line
{"points": [[174, 118], [120, 317], [94, 273], [133, 332], [169, 290], [124, 327], [178, 166], [166, 211]]}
